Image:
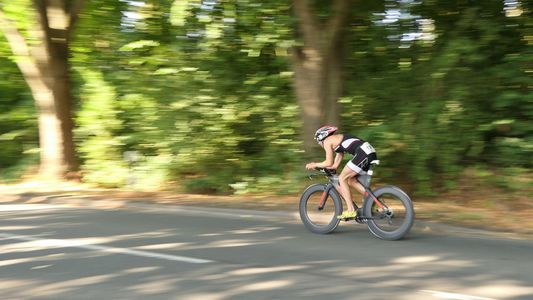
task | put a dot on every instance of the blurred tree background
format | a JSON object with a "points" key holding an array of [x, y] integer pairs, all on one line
{"points": [[221, 96]]}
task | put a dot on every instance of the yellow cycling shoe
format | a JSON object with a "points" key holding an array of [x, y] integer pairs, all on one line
{"points": [[347, 215]]}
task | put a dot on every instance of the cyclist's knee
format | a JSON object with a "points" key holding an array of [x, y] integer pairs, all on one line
{"points": [[353, 179], [345, 177]]}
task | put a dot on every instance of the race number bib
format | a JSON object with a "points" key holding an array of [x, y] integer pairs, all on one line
{"points": [[368, 148]]}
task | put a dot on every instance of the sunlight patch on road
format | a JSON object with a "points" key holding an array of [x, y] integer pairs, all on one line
{"points": [[8, 228], [23, 207], [140, 270], [455, 296], [32, 244], [243, 231], [432, 259], [266, 285], [54, 289], [233, 243], [242, 291], [155, 287], [163, 246], [15, 261], [40, 267], [252, 230], [210, 234], [35, 244], [505, 288], [255, 271], [415, 259]]}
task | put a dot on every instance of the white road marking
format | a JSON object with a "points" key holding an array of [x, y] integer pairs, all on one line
{"points": [[446, 295], [59, 243]]}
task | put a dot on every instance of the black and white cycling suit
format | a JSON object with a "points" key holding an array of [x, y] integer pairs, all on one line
{"points": [[363, 153]]}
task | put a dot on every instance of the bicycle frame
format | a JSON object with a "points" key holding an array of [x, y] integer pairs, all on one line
{"points": [[333, 184], [368, 192]]}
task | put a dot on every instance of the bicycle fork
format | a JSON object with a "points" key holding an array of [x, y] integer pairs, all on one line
{"points": [[324, 197]]}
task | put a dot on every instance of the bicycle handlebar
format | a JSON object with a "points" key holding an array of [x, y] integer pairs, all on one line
{"points": [[327, 172]]}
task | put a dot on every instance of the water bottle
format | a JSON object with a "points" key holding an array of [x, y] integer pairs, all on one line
{"points": [[335, 179], [365, 179]]}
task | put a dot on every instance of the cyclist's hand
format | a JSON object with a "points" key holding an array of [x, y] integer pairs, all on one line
{"points": [[310, 166]]}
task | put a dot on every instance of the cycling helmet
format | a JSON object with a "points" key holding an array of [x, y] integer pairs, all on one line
{"points": [[323, 132]]}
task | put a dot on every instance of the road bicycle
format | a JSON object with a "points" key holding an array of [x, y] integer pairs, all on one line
{"points": [[387, 211]]}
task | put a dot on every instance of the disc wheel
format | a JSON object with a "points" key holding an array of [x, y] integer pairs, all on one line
{"points": [[318, 210], [392, 220]]}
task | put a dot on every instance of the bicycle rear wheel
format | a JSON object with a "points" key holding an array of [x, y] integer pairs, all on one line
{"points": [[393, 221], [316, 217]]}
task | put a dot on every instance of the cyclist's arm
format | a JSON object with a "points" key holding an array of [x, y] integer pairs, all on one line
{"points": [[338, 160], [329, 162]]}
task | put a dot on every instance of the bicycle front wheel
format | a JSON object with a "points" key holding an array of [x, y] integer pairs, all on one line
{"points": [[319, 210], [393, 219]]}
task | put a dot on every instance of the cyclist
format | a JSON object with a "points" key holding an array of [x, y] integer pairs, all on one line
{"points": [[363, 153]]}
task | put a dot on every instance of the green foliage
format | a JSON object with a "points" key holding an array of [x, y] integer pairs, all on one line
{"points": [[18, 120], [433, 106], [201, 91], [214, 106], [97, 121], [515, 179], [24, 165]]}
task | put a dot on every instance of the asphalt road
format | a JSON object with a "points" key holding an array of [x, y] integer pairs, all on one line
{"points": [[169, 252]]}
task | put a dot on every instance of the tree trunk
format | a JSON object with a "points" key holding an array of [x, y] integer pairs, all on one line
{"points": [[317, 67], [54, 104], [308, 84], [46, 70]]}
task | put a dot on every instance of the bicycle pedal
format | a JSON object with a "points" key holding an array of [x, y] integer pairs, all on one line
{"points": [[361, 220]]}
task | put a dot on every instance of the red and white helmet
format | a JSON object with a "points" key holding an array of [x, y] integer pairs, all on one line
{"points": [[323, 132]]}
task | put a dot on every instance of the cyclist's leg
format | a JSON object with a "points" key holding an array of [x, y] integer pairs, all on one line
{"points": [[358, 165], [356, 185], [346, 175]]}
